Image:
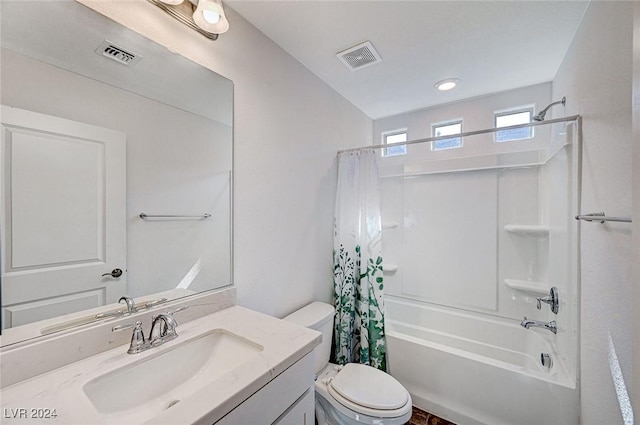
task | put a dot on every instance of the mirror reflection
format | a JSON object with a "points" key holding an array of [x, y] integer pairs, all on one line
{"points": [[116, 171]]}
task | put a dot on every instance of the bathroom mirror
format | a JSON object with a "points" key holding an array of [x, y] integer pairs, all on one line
{"points": [[116, 170]]}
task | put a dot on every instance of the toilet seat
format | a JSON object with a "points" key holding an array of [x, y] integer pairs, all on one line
{"points": [[369, 391]]}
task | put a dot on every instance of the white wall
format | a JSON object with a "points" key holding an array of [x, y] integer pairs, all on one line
{"points": [[288, 125], [477, 113], [636, 207], [595, 76]]}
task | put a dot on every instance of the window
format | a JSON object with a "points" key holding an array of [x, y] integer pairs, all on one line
{"points": [[446, 129], [398, 136], [505, 119]]}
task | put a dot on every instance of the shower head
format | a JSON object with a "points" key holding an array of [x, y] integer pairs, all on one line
{"points": [[541, 114]]}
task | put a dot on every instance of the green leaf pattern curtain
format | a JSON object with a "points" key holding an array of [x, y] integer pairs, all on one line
{"points": [[358, 281]]}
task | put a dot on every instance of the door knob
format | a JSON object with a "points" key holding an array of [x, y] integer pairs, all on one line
{"points": [[114, 273]]}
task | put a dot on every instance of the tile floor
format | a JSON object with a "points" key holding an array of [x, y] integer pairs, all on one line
{"points": [[420, 417]]}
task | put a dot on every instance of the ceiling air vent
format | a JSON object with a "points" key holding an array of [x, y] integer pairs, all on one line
{"points": [[360, 56], [117, 53]]}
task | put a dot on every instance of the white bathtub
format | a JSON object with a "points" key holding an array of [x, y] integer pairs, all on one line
{"points": [[474, 369]]}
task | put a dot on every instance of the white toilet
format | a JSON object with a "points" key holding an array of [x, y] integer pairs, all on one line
{"points": [[352, 394]]}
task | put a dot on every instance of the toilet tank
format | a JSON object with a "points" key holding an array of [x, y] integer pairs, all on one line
{"points": [[317, 316]]}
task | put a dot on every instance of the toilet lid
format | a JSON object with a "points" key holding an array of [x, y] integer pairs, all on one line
{"points": [[369, 387]]}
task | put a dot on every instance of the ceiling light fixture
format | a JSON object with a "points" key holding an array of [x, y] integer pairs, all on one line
{"points": [[448, 84], [205, 16]]}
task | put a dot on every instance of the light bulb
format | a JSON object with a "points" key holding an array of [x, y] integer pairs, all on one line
{"points": [[211, 16], [447, 84]]}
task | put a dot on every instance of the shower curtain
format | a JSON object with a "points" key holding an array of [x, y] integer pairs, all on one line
{"points": [[358, 281]]}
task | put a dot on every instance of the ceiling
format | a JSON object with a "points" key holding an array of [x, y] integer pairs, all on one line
{"points": [[490, 46]]}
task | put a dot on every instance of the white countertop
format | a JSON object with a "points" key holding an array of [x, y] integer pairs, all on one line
{"points": [[62, 389]]}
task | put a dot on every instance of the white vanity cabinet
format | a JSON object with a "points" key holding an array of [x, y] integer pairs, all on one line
{"points": [[301, 413], [287, 400]]}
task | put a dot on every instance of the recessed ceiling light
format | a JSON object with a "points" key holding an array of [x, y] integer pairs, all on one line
{"points": [[448, 84]]}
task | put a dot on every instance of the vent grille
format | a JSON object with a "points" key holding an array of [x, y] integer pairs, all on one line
{"points": [[117, 53], [360, 56]]}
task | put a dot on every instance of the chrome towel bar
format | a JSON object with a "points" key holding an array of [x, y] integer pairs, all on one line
{"points": [[145, 216], [601, 217]]}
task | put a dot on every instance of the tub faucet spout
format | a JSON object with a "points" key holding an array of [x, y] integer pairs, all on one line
{"points": [[550, 326]]}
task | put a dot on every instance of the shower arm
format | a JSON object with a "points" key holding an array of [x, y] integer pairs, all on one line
{"points": [[541, 114]]}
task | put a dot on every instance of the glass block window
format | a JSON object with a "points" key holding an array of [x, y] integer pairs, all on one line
{"points": [[394, 137], [505, 119], [446, 129]]}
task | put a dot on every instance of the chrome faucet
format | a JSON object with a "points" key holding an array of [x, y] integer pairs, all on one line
{"points": [[550, 326], [131, 304], [163, 329]]}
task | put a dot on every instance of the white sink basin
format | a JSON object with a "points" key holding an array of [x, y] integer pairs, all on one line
{"points": [[142, 389]]}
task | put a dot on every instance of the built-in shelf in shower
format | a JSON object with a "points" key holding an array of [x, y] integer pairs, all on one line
{"points": [[530, 286], [539, 230]]}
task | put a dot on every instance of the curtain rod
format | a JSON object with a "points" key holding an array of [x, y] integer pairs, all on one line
{"points": [[469, 133]]}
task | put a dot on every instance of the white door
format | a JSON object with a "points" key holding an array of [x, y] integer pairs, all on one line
{"points": [[63, 216]]}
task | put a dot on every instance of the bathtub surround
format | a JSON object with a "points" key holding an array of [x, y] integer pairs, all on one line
{"points": [[358, 266], [504, 211]]}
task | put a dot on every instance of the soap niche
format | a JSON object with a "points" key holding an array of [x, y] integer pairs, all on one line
{"points": [[529, 273]]}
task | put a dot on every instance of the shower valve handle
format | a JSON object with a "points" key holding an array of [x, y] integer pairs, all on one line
{"points": [[552, 300]]}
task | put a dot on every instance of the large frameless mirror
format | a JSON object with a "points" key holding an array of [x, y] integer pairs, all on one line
{"points": [[115, 171]]}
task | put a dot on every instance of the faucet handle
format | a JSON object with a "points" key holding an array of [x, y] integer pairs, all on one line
{"points": [[171, 321], [138, 342], [125, 326], [552, 300], [170, 314]]}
